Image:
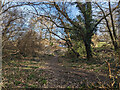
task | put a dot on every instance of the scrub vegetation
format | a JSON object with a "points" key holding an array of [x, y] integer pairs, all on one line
{"points": [[60, 45]]}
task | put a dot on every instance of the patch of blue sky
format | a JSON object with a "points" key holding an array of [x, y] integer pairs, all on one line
{"points": [[74, 11]]}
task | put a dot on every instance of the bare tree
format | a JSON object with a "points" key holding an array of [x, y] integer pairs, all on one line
{"points": [[112, 31]]}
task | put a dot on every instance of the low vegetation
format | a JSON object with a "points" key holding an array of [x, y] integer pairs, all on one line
{"points": [[60, 45]]}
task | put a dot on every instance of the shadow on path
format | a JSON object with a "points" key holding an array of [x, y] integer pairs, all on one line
{"points": [[62, 77]]}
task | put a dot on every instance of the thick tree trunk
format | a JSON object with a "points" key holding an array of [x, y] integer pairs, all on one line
{"points": [[88, 50]]}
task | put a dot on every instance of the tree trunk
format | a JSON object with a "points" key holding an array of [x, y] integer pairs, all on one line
{"points": [[70, 46], [88, 50], [115, 46], [76, 53]]}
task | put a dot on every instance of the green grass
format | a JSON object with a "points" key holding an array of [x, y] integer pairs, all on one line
{"points": [[31, 76], [104, 67], [69, 88], [101, 44], [96, 70], [29, 73], [23, 73], [30, 86], [43, 82], [17, 82]]}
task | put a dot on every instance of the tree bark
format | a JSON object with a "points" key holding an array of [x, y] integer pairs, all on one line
{"points": [[70, 46], [88, 50]]}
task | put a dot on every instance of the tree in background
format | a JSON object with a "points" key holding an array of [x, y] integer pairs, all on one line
{"points": [[81, 26], [110, 26]]}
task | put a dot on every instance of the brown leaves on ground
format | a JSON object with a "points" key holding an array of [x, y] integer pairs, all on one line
{"points": [[50, 72]]}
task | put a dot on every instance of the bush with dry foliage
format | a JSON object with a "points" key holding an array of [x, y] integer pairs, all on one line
{"points": [[28, 44]]}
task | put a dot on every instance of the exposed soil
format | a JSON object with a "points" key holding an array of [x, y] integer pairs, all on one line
{"points": [[60, 76], [49, 72]]}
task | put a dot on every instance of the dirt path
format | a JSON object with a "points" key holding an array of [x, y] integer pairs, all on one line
{"points": [[62, 77]]}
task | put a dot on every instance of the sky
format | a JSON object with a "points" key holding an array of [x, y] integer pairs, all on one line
{"points": [[61, 0], [73, 13]]}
